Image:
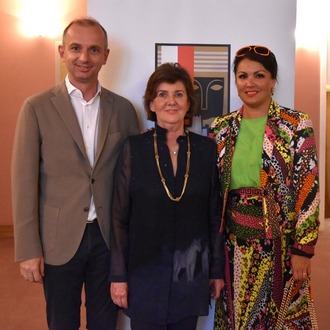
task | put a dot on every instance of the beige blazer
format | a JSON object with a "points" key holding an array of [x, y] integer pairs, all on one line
{"points": [[52, 181]]}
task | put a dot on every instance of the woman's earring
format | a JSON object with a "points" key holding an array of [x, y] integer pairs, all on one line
{"points": [[272, 92]]}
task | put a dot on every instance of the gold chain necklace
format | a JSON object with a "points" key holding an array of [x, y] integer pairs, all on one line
{"points": [[162, 179]]}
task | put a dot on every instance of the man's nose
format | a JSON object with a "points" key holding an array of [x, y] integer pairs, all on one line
{"points": [[84, 55]]}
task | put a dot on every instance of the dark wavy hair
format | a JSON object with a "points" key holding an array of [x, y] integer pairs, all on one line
{"points": [[169, 73], [269, 62]]}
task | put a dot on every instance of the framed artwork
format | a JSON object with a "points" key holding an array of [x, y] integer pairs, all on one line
{"points": [[208, 66]]}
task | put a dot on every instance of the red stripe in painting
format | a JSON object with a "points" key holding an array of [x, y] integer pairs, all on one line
{"points": [[186, 59]]}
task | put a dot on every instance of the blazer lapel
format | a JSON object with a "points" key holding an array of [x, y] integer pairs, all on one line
{"points": [[63, 105], [271, 129], [106, 106]]}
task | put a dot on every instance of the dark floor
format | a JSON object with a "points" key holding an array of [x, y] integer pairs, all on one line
{"points": [[22, 305]]}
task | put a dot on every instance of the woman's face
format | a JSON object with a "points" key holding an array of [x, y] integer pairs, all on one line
{"points": [[170, 104], [254, 84]]}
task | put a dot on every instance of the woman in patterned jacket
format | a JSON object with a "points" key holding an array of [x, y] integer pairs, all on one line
{"points": [[268, 169]]}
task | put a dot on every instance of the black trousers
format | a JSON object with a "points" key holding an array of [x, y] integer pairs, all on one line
{"points": [[189, 323], [63, 286]]}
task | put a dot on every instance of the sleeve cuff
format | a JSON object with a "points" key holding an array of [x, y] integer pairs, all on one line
{"points": [[303, 250], [117, 278]]}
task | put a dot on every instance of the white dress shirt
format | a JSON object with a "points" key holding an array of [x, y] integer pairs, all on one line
{"points": [[88, 118]]}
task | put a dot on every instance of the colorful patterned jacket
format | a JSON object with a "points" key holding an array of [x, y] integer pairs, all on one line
{"points": [[289, 173]]}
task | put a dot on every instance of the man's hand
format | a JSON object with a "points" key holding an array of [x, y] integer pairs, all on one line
{"points": [[33, 269]]}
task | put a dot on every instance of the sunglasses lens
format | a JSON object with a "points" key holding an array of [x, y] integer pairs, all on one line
{"points": [[261, 50], [242, 51]]}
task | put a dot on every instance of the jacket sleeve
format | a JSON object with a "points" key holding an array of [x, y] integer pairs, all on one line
{"points": [[306, 186], [120, 217], [25, 185], [133, 127]]}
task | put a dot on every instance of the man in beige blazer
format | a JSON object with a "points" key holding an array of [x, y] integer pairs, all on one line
{"points": [[66, 146]]}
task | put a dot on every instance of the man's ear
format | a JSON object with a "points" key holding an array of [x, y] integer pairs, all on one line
{"points": [[61, 52]]}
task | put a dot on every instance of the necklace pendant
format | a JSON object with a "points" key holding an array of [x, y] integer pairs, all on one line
{"points": [[162, 179]]}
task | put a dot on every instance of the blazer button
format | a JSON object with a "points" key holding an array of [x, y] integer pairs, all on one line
{"points": [[86, 209], [92, 181]]}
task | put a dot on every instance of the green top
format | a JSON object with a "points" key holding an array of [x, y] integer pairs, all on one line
{"points": [[246, 164]]}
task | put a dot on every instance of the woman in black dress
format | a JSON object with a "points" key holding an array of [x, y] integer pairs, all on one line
{"points": [[166, 249]]}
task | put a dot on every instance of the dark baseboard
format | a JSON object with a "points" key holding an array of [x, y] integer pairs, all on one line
{"points": [[6, 231]]}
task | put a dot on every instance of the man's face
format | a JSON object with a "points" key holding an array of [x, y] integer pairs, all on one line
{"points": [[84, 53]]}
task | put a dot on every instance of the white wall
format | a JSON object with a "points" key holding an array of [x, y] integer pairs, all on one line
{"points": [[134, 26]]}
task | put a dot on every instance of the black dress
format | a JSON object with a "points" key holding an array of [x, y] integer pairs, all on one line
{"points": [[166, 251]]}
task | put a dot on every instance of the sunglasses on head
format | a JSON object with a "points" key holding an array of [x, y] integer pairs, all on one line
{"points": [[260, 50]]}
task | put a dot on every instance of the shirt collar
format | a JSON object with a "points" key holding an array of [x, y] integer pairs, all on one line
{"points": [[72, 88]]}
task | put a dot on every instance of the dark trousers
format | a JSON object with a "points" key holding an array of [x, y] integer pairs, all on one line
{"points": [[189, 323], [63, 286]]}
